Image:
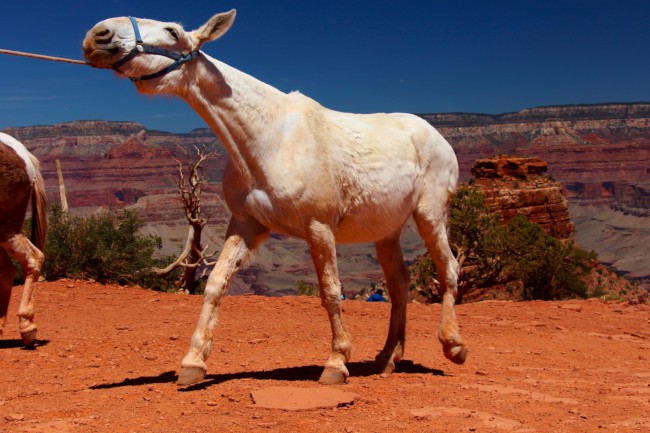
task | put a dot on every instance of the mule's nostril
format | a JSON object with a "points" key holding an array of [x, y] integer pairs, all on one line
{"points": [[103, 35]]}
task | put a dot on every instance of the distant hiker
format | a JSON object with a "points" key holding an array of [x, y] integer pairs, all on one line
{"points": [[378, 296]]}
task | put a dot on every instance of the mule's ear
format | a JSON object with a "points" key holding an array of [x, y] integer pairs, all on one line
{"points": [[215, 27]]}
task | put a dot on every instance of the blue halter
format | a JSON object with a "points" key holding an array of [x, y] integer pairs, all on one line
{"points": [[141, 47]]}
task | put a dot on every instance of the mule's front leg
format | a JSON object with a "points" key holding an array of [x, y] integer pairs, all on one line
{"points": [[323, 252], [241, 238]]}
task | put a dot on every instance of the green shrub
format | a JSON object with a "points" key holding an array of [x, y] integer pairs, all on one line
{"points": [[548, 268], [477, 238], [490, 253], [105, 247], [306, 289]]}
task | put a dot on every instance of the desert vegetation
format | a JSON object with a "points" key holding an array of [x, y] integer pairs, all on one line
{"points": [[517, 260], [106, 247]]}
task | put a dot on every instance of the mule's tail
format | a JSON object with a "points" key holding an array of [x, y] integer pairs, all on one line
{"points": [[453, 174], [39, 208]]}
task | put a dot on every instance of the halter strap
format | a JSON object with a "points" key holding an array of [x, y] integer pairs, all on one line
{"points": [[136, 30], [141, 47]]}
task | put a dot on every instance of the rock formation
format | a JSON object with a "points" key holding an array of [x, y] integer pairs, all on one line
{"points": [[515, 186]]}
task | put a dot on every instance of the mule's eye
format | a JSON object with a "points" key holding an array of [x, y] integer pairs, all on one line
{"points": [[172, 31]]}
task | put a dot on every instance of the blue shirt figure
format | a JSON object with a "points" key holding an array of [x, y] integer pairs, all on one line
{"points": [[378, 296]]}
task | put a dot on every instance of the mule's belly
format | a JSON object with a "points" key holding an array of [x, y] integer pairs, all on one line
{"points": [[370, 230], [366, 219], [376, 202]]}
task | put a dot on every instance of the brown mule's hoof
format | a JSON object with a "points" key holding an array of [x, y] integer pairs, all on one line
{"points": [[29, 337], [190, 376], [457, 354], [332, 376]]}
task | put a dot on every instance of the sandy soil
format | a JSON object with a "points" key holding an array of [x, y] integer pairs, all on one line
{"points": [[108, 356]]}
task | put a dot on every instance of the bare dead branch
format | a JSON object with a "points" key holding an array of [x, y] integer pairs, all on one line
{"points": [[181, 258], [189, 186]]}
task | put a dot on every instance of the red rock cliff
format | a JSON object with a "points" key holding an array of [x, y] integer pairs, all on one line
{"points": [[600, 153], [516, 186]]}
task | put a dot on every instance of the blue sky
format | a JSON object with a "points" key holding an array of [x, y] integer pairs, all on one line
{"points": [[358, 56]]}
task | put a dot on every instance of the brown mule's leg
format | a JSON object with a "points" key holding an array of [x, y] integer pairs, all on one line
{"points": [[31, 260], [7, 274]]}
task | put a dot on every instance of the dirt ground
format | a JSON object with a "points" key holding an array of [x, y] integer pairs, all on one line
{"points": [[108, 356]]}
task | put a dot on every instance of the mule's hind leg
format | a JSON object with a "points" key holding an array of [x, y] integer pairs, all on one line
{"points": [[390, 257], [323, 252], [31, 260], [7, 274], [434, 232], [241, 238]]}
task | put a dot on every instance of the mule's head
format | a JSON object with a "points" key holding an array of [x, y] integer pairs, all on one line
{"points": [[113, 43]]}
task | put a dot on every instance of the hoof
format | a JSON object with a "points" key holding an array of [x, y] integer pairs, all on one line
{"points": [[385, 365], [332, 376], [457, 354], [190, 376], [29, 337], [387, 369]]}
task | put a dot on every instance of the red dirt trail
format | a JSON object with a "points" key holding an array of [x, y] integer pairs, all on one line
{"points": [[108, 357]]}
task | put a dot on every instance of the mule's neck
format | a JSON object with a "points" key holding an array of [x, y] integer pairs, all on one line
{"points": [[239, 108]]}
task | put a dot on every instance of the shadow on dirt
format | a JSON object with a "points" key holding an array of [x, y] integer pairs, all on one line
{"points": [[166, 377], [18, 344], [302, 373]]}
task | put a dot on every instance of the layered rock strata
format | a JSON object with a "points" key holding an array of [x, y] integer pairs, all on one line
{"points": [[516, 186], [600, 153]]}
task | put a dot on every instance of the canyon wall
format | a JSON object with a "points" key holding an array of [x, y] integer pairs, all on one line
{"points": [[517, 186], [600, 153], [122, 164]]}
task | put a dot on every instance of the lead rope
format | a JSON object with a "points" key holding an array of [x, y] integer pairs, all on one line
{"points": [[42, 57]]}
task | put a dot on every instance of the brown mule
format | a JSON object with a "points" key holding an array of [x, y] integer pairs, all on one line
{"points": [[20, 182]]}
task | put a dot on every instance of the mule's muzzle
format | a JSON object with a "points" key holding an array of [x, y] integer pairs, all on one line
{"points": [[100, 50], [102, 35]]}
